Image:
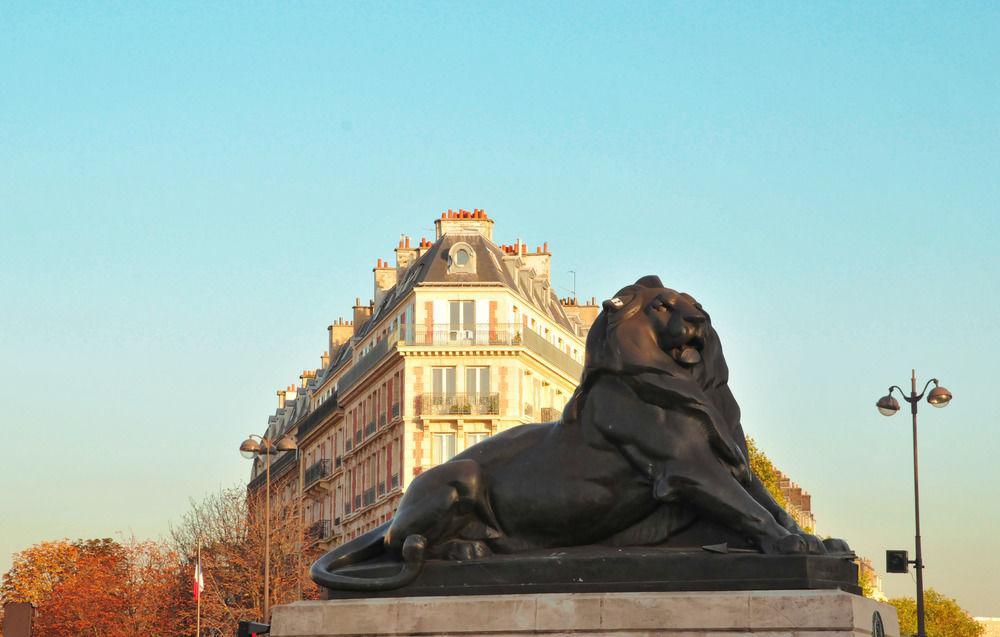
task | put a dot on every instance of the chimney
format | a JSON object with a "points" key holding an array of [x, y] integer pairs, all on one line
{"points": [[405, 255], [324, 360], [539, 260], [281, 399], [291, 392], [306, 376], [464, 221], [385, 278], [340, 332], [361, 314], [425, 245]]}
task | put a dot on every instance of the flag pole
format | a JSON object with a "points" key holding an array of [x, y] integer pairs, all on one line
{"points": [[197, 586]]}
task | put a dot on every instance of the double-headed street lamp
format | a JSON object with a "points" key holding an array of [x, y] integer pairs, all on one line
{"points": [[250, 449], [888, 406]]}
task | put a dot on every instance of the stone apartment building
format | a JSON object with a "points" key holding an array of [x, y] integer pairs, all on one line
{"points": [[464, 337]]}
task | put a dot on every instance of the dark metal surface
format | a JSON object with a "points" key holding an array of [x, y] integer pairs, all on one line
{"points": [[606, 569], [649, 451]]}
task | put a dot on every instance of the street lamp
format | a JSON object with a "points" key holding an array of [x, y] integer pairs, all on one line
{"points": [[250, 449], [888, 406]]}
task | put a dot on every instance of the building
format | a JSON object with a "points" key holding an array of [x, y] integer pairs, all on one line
{"points": [[463, 338], [991, 626]]}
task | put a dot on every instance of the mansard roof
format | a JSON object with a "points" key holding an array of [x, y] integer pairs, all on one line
{"points": [[432, 268]]}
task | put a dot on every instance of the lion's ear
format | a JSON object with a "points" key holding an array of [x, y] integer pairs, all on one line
{"points": [[612, 305], [650, 281]]}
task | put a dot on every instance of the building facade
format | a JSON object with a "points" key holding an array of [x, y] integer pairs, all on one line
{"points": [[463, 338]]}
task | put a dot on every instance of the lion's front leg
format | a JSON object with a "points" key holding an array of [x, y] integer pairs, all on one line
{"points": [[715, 494]]}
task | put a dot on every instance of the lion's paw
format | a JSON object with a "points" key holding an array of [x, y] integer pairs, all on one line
{"points": [[814, 544], [790, 544], [836, 545], [462, 550]]}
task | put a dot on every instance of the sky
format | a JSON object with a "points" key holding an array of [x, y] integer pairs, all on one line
{"points": [[191, 192]]}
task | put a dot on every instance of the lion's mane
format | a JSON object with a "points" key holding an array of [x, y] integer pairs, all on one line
{"points": [[622, 342]]}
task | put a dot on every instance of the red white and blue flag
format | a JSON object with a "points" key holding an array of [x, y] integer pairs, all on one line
{"points": [[199, 580]]}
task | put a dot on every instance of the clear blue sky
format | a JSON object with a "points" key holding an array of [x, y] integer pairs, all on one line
{"points": [[190, 193]]}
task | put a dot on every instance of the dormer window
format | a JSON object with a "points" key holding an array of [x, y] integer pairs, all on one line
{"points": [[461, 259]]}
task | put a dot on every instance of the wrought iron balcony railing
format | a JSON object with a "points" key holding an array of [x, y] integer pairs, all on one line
{"points": [[395, 410], [395, 481], [446, 335], [318, 530], [317, 471], [451, 404]]}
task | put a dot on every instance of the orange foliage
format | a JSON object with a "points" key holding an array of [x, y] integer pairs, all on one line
{"points": [[99, 587]]}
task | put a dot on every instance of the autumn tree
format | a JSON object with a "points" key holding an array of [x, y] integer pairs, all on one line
{"points": [[37, 570], [943, 615], [230, 527], [766, 472], [97, 587]]}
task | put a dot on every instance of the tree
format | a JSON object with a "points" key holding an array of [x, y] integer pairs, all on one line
{"points": [[766, 472], [944, 617], [37, 570], [97, 587], [230, 526]]}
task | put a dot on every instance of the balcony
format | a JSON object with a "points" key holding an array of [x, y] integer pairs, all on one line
{"points": [[553, 354], [363, 365], [338, 463], [358, 437], [317, 471], [395, 411], [318, 530], [369, 429], [348, 445], [459, 404], [443, 335], [395, 481], [381, 488], [381, 421], [369, 496]]}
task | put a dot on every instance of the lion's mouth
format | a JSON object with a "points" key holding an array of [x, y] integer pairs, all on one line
{"points": [[689, 354]]}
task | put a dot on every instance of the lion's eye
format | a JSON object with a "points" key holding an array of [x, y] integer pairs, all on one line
{"points": [[660, 306]]}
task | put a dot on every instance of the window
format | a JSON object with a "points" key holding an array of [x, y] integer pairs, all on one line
{"points": [[474, 439], [443, 381], [443, 448], [461, 259], [461, 320], [477, 381]]}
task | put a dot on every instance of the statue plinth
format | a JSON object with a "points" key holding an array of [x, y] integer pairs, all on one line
{"points": [[615, 569], [692, 614]]}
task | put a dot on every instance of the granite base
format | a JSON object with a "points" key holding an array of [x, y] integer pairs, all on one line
{"points": [[798, 613]]}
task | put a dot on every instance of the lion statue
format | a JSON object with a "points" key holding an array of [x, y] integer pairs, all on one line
{"points": [[649, 451]]}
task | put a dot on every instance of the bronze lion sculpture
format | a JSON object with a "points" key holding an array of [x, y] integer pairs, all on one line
{"points": [[649, 450]]}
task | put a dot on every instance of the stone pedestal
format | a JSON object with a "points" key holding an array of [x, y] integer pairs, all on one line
{"points": [[799, 613]]}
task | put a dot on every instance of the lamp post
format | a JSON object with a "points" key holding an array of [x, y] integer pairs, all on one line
{"points": [[249, 449], [888, 406]]}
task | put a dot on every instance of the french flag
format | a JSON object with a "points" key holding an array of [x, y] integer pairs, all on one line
{"points": [[199, 580]]}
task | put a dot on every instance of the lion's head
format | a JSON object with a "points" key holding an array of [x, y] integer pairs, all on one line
{"points": [[651, 330], [647, 327]]}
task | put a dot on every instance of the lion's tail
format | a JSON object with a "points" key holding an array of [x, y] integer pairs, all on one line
{"points": [[369, 546]]}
